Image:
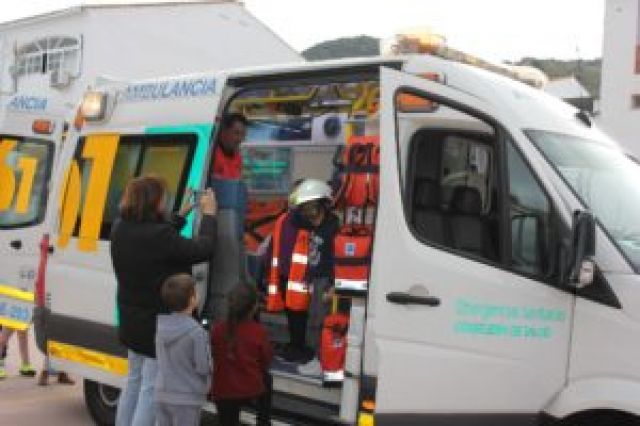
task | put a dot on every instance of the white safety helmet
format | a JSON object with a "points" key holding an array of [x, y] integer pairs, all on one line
{"points": [[310, 190]]}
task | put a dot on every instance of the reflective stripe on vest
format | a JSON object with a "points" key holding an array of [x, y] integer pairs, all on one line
{"points": [[273, 289]]}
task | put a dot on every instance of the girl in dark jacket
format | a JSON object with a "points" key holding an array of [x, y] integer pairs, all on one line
{"points": [[146, 249]]}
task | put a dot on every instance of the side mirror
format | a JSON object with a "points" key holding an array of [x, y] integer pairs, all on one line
{"points": [[584, 249]]}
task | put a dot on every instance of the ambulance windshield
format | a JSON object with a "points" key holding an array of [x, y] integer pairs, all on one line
{"points": [[25, 166], [604, 179]]}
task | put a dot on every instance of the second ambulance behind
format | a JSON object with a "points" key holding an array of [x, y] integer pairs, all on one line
{"points": [[31, 130]]}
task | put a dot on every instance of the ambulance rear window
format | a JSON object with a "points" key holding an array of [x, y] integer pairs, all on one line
{"points": [[25, 167]]}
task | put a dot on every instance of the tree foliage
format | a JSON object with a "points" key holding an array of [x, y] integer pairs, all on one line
{"points": [[586, 71]]}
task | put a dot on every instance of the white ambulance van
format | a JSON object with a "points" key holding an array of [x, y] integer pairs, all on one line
{"points": [[31, 128], [503, 285]]}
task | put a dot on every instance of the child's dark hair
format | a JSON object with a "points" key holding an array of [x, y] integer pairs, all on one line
{"points": [[243, 299], [177, 291]]}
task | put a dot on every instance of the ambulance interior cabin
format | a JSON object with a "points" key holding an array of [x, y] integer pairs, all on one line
{"points": [[297, 129], [327, 128]]}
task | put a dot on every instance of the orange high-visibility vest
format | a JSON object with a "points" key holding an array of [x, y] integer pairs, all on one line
{"points": [[297, 296]]}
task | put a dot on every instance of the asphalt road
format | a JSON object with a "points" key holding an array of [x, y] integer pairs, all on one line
{"points": [[23, 402]]}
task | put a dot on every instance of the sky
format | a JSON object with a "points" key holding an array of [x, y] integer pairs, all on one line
{"points": [[493, 29]]}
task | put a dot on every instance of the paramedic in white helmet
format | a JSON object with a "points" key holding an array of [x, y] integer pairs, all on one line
{"points": [[300, 270]]}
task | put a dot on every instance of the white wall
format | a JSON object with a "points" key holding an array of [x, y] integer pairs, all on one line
{"points": [[165, 40], [130, 43], [619, 80]]}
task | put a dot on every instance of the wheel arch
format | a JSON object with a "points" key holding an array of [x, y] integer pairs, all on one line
{"points": [[597, 395]]}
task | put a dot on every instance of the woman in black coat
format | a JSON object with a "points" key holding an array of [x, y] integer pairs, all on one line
{"points": [[146, 249]]}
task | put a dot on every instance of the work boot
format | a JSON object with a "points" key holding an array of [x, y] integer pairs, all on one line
{"points": [[64, 379], [312, 368], [293, 354], [43, 380], [27, 370]]}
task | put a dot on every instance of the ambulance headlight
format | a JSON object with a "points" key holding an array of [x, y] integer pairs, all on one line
{"points": [[94, 106]]}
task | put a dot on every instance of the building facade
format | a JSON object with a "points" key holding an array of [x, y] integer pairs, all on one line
{"points": [[620, 88]]}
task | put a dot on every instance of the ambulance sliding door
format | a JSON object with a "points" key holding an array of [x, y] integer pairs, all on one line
{"points": [[469, 322]]}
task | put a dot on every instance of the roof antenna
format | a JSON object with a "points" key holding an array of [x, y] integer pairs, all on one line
{"points": [[583, 114]]}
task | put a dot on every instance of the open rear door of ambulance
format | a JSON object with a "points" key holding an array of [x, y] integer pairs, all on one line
{"points": [[26, 164], [465, 326]]}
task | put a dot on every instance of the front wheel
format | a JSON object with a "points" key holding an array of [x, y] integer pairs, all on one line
{"points": [[101, 401]]}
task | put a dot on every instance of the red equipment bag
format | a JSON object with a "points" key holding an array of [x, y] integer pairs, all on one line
{"points": [[352, 258], [333, 346], [360, 172]]}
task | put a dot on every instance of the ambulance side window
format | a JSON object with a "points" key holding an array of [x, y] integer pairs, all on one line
{"points": [[469, 192], [165, 156], [453, 191]]}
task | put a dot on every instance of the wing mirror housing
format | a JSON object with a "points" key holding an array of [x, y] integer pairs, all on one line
{"points": [[583, 266]]}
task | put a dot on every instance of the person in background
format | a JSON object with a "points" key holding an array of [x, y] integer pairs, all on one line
{"points": [[300, 261], [241, 358], [3, 356], [47, 370], [184, 357], [26, 369], [146, 249]]}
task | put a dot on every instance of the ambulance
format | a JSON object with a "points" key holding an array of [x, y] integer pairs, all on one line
{"points": [[31, 129], [501, 283]]}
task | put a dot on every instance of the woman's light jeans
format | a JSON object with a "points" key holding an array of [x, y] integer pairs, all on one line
{"points": [[136, 406]]}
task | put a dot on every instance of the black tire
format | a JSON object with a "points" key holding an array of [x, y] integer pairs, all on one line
{"points": [[101, 401], [601, 418]]}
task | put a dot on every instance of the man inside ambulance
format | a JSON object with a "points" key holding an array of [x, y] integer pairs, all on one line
{"points": [[300, 279], [226, 172], [227, 162]]}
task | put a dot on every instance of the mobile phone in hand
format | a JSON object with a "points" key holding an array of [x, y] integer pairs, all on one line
{"points": [[197, 194]]}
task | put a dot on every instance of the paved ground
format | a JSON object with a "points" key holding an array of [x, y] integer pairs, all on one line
{"points": [[23, 402]]}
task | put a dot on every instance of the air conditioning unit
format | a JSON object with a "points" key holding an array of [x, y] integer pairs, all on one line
{"points": [[59, 78]]}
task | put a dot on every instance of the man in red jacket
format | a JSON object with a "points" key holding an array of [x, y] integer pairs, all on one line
{"points": [[227, 162]]}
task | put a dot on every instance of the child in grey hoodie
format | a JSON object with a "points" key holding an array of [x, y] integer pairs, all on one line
{"points": [[183, 354]]}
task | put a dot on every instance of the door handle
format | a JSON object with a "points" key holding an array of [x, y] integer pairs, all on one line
{"points": [[16, 244], [402, 298]]}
